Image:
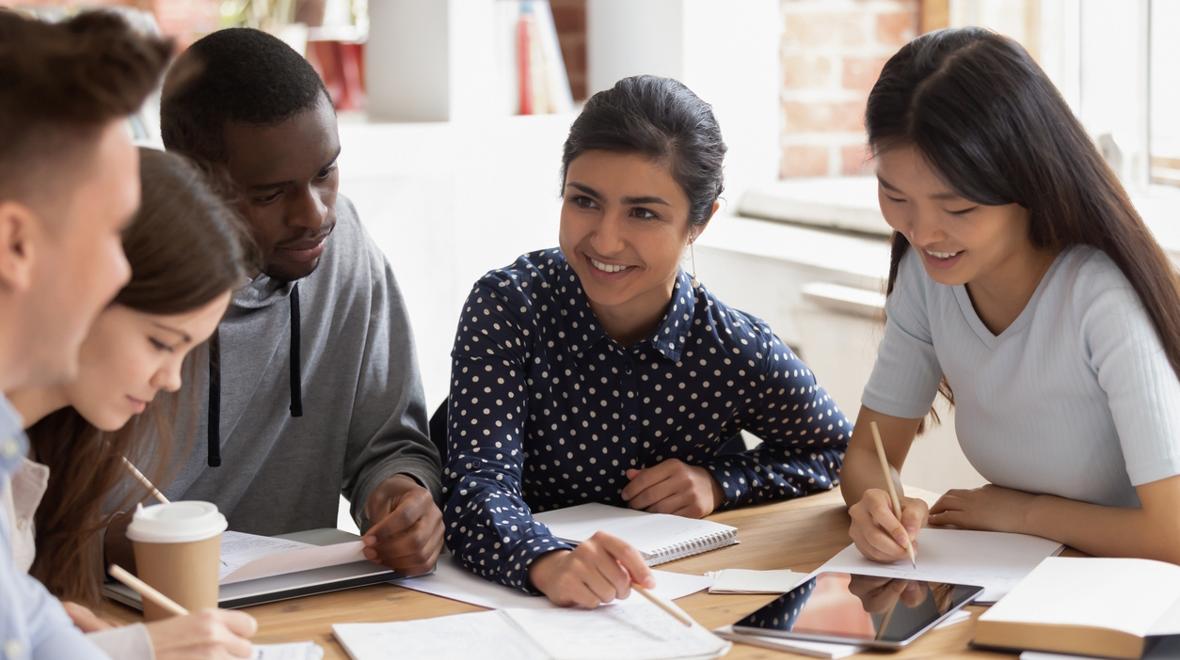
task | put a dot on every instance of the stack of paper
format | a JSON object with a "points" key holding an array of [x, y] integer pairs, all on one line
{"points": [[744, 581]]}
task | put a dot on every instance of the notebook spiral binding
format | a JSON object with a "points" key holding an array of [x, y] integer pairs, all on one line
{"points": [[696, 546]]}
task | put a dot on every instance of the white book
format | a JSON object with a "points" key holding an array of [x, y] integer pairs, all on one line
{"points": [[1089, 605], [659, 537], [996, 561], [633, 629]]}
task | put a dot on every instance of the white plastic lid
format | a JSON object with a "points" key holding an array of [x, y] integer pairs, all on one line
{"points": [[176, 522]]}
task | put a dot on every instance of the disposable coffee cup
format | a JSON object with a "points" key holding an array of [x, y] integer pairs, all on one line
{"points": [[178, 551]]}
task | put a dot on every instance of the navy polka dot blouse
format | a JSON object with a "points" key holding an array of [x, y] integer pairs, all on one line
{"points": [[547, 411]]}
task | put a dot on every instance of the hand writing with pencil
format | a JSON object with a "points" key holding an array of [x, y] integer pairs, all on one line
{"points": [[990, 508], [406, 530], [599, 570], [877, 531]]}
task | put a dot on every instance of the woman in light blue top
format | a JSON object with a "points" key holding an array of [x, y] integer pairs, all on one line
{"points": [[1025, 287]]}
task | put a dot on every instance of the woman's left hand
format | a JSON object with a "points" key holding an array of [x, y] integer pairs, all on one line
{"points": [[86, 620], [989, 508], [675, 487]]}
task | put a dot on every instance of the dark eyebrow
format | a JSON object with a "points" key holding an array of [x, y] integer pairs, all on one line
{"points": [[645, 200], [183, 335], [650, 199], [282, 184], [584, 188], [939, 196]]}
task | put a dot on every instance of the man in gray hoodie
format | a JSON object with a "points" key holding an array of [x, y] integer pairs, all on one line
{"points": [[312, 388]]}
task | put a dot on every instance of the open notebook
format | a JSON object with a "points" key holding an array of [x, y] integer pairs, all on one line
{"points": [[660, 537], [261, 569], [632, 628]]}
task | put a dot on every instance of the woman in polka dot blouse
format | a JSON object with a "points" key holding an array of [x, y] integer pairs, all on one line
{"points": [[602, 372]]}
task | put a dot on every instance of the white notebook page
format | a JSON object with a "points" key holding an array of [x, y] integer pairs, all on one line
{"points": [[995, 561]]}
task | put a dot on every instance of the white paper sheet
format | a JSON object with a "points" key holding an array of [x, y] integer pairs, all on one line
{"points": [[292, 651], [996, 561], [450, 580], [745, 581], [632, 628], [249, 556], [454, 637]]}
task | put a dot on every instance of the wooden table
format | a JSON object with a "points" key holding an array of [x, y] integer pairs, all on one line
{"points": [[799, 535]]}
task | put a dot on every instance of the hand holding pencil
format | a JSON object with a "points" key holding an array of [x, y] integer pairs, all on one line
{"points": [[885, 523], [204, 634], [887, 471]]}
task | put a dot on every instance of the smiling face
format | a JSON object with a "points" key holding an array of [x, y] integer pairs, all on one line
{"points": [[130, 356], [289, 177], [624, 226], [959, 240]]}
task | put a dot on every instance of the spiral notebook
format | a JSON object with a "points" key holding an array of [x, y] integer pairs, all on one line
{"points": [[660, 537]]}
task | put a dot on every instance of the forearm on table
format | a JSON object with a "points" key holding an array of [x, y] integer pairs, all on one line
{"points": [[1103, 530]]}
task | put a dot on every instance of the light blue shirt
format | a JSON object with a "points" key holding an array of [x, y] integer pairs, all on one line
{"points": [[33, 624], [1076, 398]]}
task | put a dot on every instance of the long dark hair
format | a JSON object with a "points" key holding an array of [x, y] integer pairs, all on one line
{"points": [[990, 122], [186, 247], [662, 119]]}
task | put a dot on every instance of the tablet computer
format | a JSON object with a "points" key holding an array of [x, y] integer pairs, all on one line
{"points": [[866, 610]]}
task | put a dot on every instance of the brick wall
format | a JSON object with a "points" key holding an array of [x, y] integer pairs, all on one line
{"points": [[569, 17], [832, 52]]}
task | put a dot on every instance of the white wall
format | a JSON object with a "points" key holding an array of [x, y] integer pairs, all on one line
{"points": [[447, 202], [726, 51]]}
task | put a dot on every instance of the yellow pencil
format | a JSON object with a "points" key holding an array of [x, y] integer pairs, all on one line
{"points": [[146, 590], [909, 546], [147, 483]]}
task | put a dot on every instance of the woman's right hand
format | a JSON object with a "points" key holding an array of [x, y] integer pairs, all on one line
{"points": [[877, 532], [599, 570], [203, 635]]}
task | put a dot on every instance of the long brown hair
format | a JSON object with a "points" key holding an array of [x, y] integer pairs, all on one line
{"points": [[988, 119], [186, 248]]}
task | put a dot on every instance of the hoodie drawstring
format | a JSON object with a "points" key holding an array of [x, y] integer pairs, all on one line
{"points": [[214, 426], [215, 399], [296, 360]]}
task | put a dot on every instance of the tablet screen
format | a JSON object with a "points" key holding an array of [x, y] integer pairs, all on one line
{"points": [[862, 608]]}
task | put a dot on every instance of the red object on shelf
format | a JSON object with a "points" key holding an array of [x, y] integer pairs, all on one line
{"points": [[524, 28], [340, 65]]}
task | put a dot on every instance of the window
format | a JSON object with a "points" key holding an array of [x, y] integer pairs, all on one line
{"points": [[1118, 65]]}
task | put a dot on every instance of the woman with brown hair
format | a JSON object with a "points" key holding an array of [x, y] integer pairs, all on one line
{"points": [[184, 246], [1036, 294]]}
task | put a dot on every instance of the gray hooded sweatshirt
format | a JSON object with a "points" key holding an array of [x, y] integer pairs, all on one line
{"points": [[319, 394]]}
